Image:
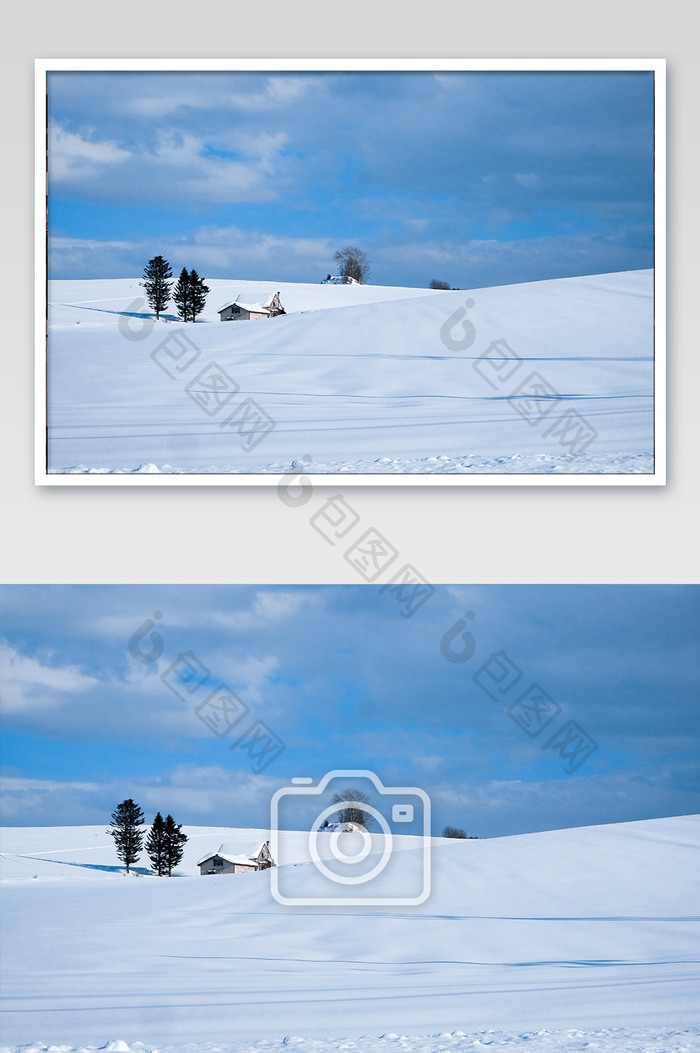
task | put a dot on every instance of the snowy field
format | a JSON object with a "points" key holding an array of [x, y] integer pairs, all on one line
{"points": [[362, 379], [571, 940]]}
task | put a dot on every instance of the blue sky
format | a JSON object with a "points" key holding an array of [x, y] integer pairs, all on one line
{"points": [[476, 178], [345, 682]]}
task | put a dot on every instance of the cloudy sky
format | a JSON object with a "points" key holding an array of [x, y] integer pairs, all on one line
{"points": [[480, 178], [342, 680]]}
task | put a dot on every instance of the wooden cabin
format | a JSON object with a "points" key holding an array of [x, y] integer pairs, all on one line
{"points": [[237, 311], [226, 860]]}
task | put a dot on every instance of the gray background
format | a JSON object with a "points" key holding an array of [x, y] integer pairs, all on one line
{"points": [[217, 534]]}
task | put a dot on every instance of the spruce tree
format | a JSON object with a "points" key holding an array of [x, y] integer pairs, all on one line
{"points": [[156, 283], [155, 845], [174, 844], [182, 295], [198, 294], [125, 829]]}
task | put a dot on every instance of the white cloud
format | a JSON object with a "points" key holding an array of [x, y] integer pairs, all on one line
{"points": [[266, 607], [527, 179], [69, 256], [180, 162], [171, 164], [58, 244], [208, 95], [277, 605], [28, 683], [194, 794], [416, 224], [71, 156], [264, 145], [162, 104], [204, 793], [279, 90], [20, 784], [47, 802]]}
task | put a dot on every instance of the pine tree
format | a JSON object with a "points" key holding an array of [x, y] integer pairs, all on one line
{"points": [[128, 838], [182, 295], [156, 283], [174, 844], [198, 294], [155, 845]]}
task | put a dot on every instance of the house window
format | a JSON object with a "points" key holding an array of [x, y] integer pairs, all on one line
{"points": [[218, 862]]}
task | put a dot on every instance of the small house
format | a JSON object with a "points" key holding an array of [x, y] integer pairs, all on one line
{"points": [[237, 311], [339, 279], [226, 860], [342, 828]]}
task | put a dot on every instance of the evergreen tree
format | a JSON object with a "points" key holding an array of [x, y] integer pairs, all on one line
{"points": [[156, 283], [155, 845], [128, 838], [198, 294], [182, 295], [174, 844]]}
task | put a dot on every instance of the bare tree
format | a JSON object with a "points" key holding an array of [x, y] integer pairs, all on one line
{"points": [[352, 810], [352, 263], [436, 283], [454, 831]]}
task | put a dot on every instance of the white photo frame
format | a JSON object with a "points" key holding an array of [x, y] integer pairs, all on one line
{"points": [[296, 463]]}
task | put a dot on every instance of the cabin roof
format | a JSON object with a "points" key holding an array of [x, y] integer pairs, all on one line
{"points": [[343, 828], [259, 308], [264, 308], [232, 853]]}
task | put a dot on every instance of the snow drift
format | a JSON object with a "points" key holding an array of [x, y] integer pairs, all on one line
{"points": [[571, 939], [363, 379]]}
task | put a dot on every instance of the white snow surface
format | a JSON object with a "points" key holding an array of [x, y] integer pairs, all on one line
{"points": [[357, 377], [568, 940]]}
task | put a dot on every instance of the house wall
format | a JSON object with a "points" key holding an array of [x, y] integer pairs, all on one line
{"points": [[264, 859], [229, 316], [209, 868]]}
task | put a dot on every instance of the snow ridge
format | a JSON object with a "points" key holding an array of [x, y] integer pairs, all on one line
{"points": [[552, 377], [605, 1040]]}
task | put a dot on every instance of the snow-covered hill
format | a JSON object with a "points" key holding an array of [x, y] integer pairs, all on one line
{"points": [[364, 379], [566, 940]]}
